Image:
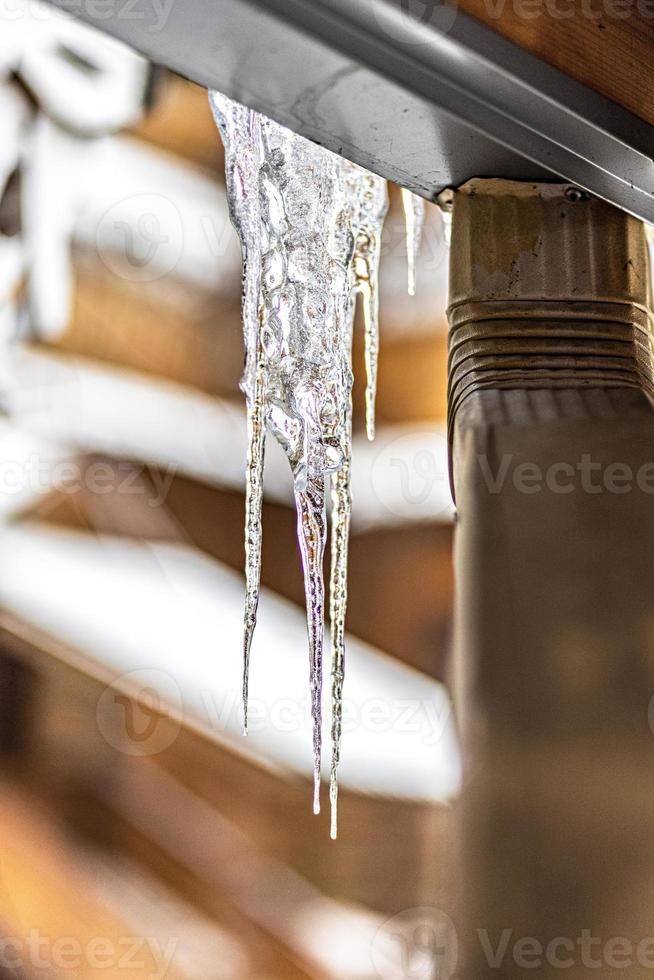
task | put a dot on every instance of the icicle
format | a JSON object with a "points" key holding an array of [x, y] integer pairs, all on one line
{"points": [[341, 514], [446, 217], [312, 533], [414, 213], [369, 201], [310, 224], [240, 129], [253, 525]]}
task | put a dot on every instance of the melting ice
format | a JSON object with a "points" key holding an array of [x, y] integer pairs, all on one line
{"points": [[414, 211], [310, 226]]}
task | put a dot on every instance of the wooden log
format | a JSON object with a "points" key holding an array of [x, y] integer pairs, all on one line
{"points": [[553, 466], [78, 759], [606, 44]]}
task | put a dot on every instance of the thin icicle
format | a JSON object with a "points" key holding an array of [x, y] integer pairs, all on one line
{"points": [[312, 534], [446, 218], [253, 524], [369, 200], [367, 287], [414, 213], [341, 516], [240, 129]]}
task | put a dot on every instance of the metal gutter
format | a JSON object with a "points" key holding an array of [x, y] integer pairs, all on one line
{"points": [[417, 92]]}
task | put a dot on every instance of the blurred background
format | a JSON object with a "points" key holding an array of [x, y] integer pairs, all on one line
{"points": [[141, 834]]}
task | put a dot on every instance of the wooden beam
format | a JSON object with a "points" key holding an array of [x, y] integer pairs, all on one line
{"points": [[103, 791], [605, 44]]}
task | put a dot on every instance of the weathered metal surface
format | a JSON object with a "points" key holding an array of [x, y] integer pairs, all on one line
{"points": [[419, 93]]}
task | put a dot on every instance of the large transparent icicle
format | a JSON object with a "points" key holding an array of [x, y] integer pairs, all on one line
{"points": [[310, 227]]}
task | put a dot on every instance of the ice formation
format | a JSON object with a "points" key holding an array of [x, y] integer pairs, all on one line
{"points": [[414, 212], [310, 226]]}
